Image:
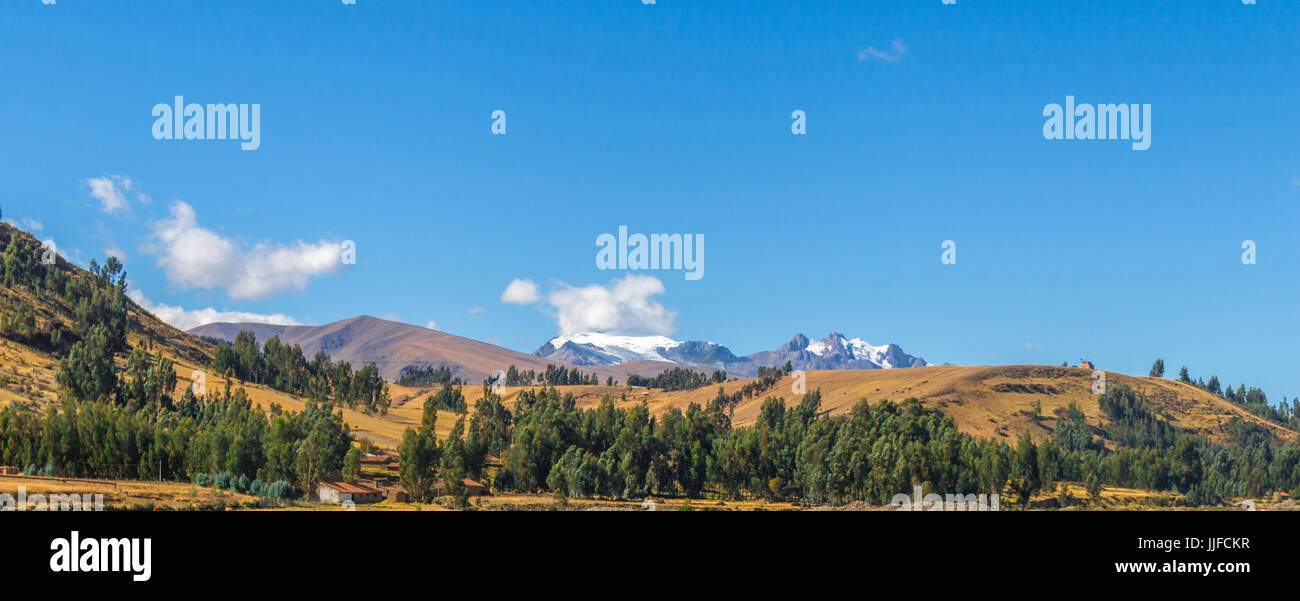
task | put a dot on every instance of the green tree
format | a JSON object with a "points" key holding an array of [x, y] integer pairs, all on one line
{"points": [[352, 465], [1025, 479], [453, 464], [419, 455]]}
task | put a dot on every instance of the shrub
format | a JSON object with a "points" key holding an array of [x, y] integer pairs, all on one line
{"points": [[223, 480], [280, 490]]}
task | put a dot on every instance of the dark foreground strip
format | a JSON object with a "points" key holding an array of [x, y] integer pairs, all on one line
{"points": [[721, 552]]}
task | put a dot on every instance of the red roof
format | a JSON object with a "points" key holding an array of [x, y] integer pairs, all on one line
{"points": [[468, 482], [352, 488]]}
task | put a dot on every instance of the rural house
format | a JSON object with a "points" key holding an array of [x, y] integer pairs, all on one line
{"points": [[342, 492], [379, 461], [474, 489]]}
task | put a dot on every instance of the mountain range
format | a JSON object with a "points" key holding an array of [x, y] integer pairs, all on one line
{"points": [[832, 352], [394, 346]]}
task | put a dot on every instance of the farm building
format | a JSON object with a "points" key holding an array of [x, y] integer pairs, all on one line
{"points": [[382, 461], [474, 489], [392, 491], [342, 492], [396, 494]]}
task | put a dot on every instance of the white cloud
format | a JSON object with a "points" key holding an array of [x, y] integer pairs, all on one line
{"points": [[476, 310], [194, 257], [1033, 346], [625, 306], [883, 55], [431, 324], [114, 251], [520, 292], [188, 320], [111, 191], [33, 225]]}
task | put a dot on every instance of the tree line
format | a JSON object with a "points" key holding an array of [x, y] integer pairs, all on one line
{"points": [[798, 453], [1286, 413], [555, 375], [284, 368], [678, 378], [427, 376]]}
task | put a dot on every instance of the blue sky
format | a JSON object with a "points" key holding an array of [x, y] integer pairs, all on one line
{"points": [[675, 117]]}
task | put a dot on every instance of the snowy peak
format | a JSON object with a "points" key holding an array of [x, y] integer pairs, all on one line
{"points": [[835, 351], [855, 349], [594, 348]]}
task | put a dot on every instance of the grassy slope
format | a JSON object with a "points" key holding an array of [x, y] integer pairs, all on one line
{"points": [[27, 374], [984, 401]]}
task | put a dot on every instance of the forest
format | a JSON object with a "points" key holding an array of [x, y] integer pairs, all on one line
{"points": [[796, 453], [116, 422]]}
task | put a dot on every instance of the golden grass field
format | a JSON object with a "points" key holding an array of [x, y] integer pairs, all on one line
{"points": [[985, 402], [125, 493], [133, 494]]}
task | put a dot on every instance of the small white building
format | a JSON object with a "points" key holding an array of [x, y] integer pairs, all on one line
{"points": [[342, 492]]}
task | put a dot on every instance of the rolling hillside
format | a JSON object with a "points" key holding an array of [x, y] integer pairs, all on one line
{"points": [[27, 366], [986, 402]]}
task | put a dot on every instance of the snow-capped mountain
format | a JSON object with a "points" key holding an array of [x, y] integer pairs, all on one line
{"points": [[837, 352], [833, 352], [594, 348]]}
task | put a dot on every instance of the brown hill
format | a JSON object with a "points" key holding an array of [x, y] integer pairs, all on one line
{"points": [[985, 401], [989, 401], [392, 346]]}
